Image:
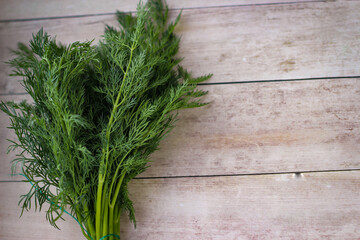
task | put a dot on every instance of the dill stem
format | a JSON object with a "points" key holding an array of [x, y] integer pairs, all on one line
{"points": [[105, 209], [117, 220], [98, 207], [89, 221], [116, 104], [107, 153], [117, 190], [78, 215], [111, 218], [116, 175]]}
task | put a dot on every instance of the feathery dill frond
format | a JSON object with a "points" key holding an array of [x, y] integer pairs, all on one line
{"points": [[98, 114]]}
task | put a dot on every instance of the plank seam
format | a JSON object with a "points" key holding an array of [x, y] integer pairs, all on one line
{"points": [[254, 174], [172, 9], [239, 82], [280, 80], [297, 173]]}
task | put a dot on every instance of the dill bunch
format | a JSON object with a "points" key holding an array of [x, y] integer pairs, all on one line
{"points": [[98, 112]]}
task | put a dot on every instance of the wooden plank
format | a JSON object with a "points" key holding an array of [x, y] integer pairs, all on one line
{"points": [[257, 128], [23, 9], [247, 43], [310, 206]]}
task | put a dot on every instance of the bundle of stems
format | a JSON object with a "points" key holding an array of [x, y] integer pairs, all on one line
{"points": [[98, 112]]}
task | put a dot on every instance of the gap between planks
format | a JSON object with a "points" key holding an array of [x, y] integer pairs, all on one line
{"points": [[296, 174]]}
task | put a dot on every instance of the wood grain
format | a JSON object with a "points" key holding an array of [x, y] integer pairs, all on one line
{"points": [[24, 9], [257, 128], [285, 206], [247, 43]]}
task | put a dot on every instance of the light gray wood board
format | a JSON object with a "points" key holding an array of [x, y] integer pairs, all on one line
{"points": [[24, 9], [311, 206], [247, 43], [256, 128]]}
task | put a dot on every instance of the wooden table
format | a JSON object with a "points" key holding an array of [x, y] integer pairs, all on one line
{"points": [[275, 156]]}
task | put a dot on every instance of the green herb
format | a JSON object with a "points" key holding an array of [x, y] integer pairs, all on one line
{"points": [[98, 112]]}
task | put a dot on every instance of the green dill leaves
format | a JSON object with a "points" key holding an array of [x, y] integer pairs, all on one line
{"points": [[98, 112]]}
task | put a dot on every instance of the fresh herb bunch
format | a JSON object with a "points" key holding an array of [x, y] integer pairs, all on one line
{"points": [[98, 112]]}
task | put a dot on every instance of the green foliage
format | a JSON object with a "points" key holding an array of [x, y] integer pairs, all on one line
{"points": [[98, 114]]}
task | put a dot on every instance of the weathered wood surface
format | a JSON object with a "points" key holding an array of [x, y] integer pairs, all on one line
{"points": [[256, 128], [285, 206], [24, 9], [241, 43], [253, 128]]}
